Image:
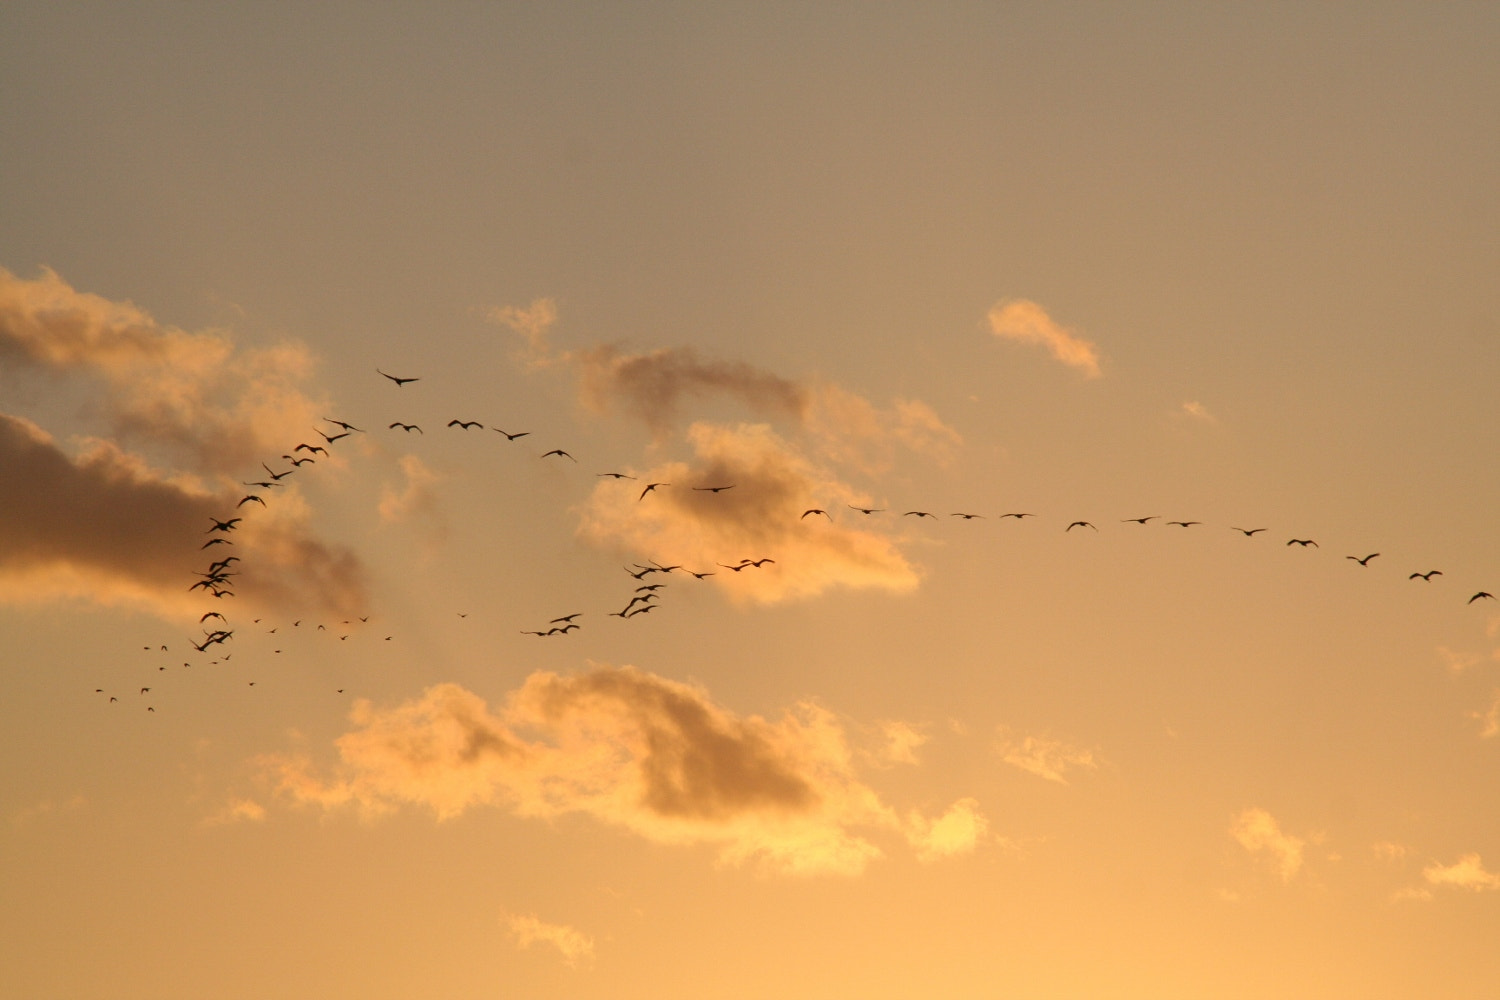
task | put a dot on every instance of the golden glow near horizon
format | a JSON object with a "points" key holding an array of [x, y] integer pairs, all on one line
{"points": [[798, 503]]}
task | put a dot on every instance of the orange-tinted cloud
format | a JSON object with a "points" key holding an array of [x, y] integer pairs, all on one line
{"points": [[773, 485], [1258, 832], [1027, 322], [575, 947], [1043, 756], [1468, 872], [634, 750]]}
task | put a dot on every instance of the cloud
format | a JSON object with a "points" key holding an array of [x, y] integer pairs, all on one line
{"points": [[237, 811], [1258, 832], [575, 947], [957, 831], [1489, 719], [1389, 850], [1041, 756], [1195, 410], [656, 386], [1465, 873], [417, 496], [761, 517], [1025, 321], [899, 742], [104, 523], [216, 407], [634, 750]]}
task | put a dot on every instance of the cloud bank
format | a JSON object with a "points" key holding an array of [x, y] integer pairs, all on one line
{"points": [[634, 750]]}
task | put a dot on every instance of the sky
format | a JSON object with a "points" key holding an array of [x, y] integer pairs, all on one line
{"points": [[705, 660]]}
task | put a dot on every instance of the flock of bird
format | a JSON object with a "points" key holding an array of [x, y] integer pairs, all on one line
{"points": [[217, 578]]}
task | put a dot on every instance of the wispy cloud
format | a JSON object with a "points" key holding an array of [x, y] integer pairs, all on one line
{"points": [[773, 485], [1258, 832], [573, 945], [1489, 719], [1468, 872], [1025, 321], [1042, 756], [634, 750], [959, 830]]}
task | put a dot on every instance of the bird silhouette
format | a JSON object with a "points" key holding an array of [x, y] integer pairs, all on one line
{"points": [[1184, 524], [1247, 532], [275, 475], [559, 451], [347, 427], [967, 517], [1426, 576], [1304, 542], [224, 525], [330, 438], [1016, 516], [1078, 524], [714, 489], [399, 381], [249, 498], [508, 435], [867, 510], [1366, 560], [1484, 594], [311, 449], [613, 475], [919, 513], [408, 428], [816, 510], [1139, 520], [649, 488], [466, 424]]}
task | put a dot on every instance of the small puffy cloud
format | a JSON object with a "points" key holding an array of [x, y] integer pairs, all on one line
{"points": [[898, 742], [237, 811], [1468, 872], [1027, 322], [633, 750], [1042, 756], [575, 947], [1194, 410], [761, 517], [957, 831], [1258, 832], [1489, 719], [531, 323]]}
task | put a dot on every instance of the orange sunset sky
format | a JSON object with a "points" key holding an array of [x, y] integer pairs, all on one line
{"points": [[510, 501]]}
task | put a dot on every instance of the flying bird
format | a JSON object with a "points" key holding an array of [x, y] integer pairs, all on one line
{"points": [[1482, 593], [648, 489], [816, 510], [714, 489], [1078, 524], [399, 381], [1366, 560], [211, 614], [1139, 520], [224, 525], [565, 618], [332, 438], [250, 497], [1304, 542], [919, 513], [559, 451], [1426, 576], [868, 510], [613, 475], [508, 435], [1184, 524], [1247, 532], [408, 428], [967, 517], [300, 461], [275, 475], [699, 576], [466, 424], [347, 427], [1016, 516], [311, 449], [216, 541]]}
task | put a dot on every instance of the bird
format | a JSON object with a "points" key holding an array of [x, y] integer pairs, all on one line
{"points": [[613, 475], [332, 438], [1184, 524], [664, 569], [758, 563], [919, 513], [347, 427], [211, 614], [1366, 560], [649, 586], [275, 475], [565, 618], [466, 424], [263, 484], [699, 576], [816, 510], [1247, 532], [399, 381], [1139, 520], [1304, 542], [1016, 516], [508, 435], [1482, 593], [1426, 576], [644, 571], [220, 540], [300, 461], [967, 517], [715, 489], [641, 610], [736, 568], [408, 428], [649, 488], [559, 451], [250, 497], [311, 449], [1078, 524], [224, 525], [867, 510]]}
